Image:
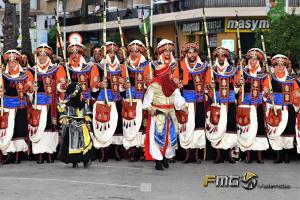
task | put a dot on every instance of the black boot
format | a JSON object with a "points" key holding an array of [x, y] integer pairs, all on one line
{"points": [[50, 160], [230, 158], [248, 157], [75, 165], [165, 162], [18, 159], [132, 154], [103, 155], [286, 156], [278, 157], [86, 164], [197, 160], [118, 158], [40, 159], [142, 155], [8, 159], [159, 165], [187, 156], [220, 156], [259, 158]]}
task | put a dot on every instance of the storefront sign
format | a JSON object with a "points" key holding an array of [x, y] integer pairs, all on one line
{"points": [[246, 24], [213, 26]]}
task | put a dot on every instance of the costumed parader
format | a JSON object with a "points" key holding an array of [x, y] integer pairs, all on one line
{"points": [[220, 130], [17, 88], [280, 117], [75, 119], [107, 121], [251, 134], [296, 103], [42, 117], [161, 99], [133, 115], [165, 52], [85, 74], [97, 54], [192, 72], [26, 61]]}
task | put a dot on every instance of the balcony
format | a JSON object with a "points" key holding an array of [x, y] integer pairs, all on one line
{"points": [[175, 11], [192, 4]]}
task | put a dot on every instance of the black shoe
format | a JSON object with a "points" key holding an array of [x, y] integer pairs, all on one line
{"points": [[142, 154], [132, 155], [18, 159], [103, 157], [8, 159], [40, 159], [259, 158], [286, 156], [187, 156], [75, 165], [230, 158], [278, 157], [172, 160], [165, 162], [50, 160], [248, 157], [159, 165], [197, 160], [117, 155], [87, 164], [220, 157]]}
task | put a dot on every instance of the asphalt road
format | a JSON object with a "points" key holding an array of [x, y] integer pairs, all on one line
{"points": [[139, 181]]}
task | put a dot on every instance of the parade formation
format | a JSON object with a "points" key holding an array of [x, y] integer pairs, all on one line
{"points": [[125, 102]]}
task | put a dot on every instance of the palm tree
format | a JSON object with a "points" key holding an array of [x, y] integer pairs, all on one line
{"points": [[7, 27], [25, 25]]}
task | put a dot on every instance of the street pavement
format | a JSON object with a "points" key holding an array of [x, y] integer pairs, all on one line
{"points": [[139, 181]]}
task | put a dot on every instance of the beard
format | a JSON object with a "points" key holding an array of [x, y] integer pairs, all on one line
{"points": [[192, 59]]}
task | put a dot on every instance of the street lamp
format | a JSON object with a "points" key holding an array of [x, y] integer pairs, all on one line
{"points": [[14, 15]]}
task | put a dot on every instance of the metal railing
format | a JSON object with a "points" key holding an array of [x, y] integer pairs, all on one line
{"points": [[294, 3], [175, 6]]}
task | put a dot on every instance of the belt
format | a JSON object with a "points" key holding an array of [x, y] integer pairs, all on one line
{"points": [[163, 106]]}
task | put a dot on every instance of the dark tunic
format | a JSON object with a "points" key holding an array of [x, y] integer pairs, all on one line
{"points": [[47, 93], [252, 97], [279, 94], [230, 98], [73, 148], [113, 93], [15, 98]]}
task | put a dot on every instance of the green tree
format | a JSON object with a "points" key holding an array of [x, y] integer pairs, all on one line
{"points": [[283, 37]]}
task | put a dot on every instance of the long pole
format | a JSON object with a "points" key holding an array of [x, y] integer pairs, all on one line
{"points": [[57, 16], [209, 56], [147, 43], [240, 55], [65, 34], [268, 70], [125, 57], [14, 22], [104, 46], [20, 19], [60, 41], [151, 24], [35, 70]]}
